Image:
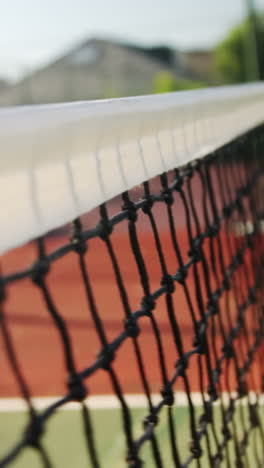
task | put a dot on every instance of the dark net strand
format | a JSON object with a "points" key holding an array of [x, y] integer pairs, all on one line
{"points": [[226, 260]]}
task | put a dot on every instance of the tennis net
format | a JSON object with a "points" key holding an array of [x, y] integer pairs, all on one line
{"points": [[168, 267]]}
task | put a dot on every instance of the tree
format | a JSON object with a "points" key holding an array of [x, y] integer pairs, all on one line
{"points": [[233, 57], [166, 82]]}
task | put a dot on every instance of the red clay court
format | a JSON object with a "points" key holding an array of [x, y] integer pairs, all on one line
{"points": [[37, 343]]}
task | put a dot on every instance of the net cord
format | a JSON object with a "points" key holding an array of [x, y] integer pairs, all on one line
{"points": [[82, 154]]}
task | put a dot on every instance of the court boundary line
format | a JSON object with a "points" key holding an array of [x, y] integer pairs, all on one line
{"points": [[104, 402]]}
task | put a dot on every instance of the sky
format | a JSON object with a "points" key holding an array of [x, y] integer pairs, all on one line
{"points": [[33, 32]]}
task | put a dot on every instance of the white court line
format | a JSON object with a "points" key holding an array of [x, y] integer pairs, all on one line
{"points": [[102, 402]]}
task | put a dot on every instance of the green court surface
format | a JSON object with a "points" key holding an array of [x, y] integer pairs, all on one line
{"points": [[65, 443]]}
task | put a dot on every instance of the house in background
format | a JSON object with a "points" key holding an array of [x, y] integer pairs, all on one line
{"points": [[199, 64], [3, 84], [97, 69]]}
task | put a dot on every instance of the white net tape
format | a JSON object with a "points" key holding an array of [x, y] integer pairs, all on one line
{"points": [[60, 161]]}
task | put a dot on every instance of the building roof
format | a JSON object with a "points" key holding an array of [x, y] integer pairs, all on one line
{"points": [[95, 69]]}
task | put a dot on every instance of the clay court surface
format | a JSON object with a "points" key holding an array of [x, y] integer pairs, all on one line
{"points": [[39, 351], [37, 343]]}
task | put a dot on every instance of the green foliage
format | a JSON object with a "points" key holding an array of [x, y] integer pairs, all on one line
{"points": [[165, 82], [233, 57]]}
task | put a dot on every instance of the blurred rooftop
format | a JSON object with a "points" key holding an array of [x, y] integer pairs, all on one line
{"points": [[98, 68]]}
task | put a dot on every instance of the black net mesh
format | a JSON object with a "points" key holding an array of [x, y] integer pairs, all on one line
{"points": [[212, 278]]}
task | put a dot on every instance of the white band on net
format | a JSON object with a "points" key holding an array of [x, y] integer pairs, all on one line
{"points": [[60, 161]]}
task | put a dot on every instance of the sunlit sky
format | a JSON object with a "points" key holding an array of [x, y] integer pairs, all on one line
{"points": [[33, 32]]}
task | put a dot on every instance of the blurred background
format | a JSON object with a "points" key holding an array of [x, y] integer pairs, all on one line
{"points": [[59, 50]]}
